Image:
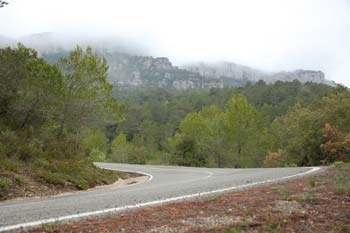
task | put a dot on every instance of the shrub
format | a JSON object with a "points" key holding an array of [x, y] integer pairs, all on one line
{"points": [[5, 185], [19, 179], [274, 159], [79, 183], [97, 156], [51, 178], [338, 164], [8, 165]]}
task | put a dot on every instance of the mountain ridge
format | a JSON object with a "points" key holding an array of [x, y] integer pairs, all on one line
{"points": [[131, 66]]}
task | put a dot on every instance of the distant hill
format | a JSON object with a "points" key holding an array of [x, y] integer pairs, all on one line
{"points": [[131, 66]]}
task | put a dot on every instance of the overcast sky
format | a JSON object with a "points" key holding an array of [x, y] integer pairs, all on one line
{"points": [[271, 35]]}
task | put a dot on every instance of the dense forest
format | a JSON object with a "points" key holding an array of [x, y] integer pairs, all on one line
{"points": [[56, 119], [279, 124]]}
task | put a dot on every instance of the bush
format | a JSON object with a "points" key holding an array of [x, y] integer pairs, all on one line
{"points": [[79, 183], [8, 165], [338, 164], [51, 178], [274, 159], [5, 185], [19, 179], [97, 156]]}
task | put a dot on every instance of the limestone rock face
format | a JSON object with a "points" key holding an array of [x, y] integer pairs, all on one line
{"points": [[234, 74]]}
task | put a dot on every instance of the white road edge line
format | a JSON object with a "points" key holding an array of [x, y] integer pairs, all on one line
{"points": [[129, 207]]}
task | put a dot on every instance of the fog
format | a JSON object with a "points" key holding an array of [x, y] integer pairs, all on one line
{"points": [[271, 35]]}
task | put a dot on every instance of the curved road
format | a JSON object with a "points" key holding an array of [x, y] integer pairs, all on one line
{"points": [[166, 183]]}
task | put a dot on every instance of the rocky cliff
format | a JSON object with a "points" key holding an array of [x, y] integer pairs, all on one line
{"points": [[235, 74]]}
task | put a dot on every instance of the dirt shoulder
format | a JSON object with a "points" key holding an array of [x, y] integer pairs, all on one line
{"points": [[25, 181], [318, 203]]}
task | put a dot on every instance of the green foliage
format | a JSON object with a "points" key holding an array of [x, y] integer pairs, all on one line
{"points": [[97, 156], [94, 140], [8, 165], [213, 137], [86, 98], [243, 128], [122, 151], [338, 164], [53, 117], [156, 115], [51, 178], [19, 179], [303, 132], [5, 185]]}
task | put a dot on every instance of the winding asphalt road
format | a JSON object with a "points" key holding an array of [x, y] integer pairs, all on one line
{"points": [[165, 184]]}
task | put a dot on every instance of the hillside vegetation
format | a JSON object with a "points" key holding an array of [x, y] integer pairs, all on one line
{"points": [[47, 115], [280, 124]]}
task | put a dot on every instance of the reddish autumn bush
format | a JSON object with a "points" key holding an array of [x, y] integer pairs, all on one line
{"points": [[274, 159], [336, 146]]}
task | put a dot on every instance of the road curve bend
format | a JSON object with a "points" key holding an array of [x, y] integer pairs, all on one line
{"points": [[165, 184]]}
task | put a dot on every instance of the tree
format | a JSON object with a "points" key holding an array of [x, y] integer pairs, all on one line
{"points": [[13, 73], [29, 88], [86, 93], [123, 151], [213, 143], [302, 135], [186, 144], [94, 139], [243, 127], [224, 138]]}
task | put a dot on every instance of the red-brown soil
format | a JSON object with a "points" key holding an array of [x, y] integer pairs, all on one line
{"points": [[301, 205]]}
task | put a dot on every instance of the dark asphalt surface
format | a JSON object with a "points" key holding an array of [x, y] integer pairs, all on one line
{"points": [[165, 182]]}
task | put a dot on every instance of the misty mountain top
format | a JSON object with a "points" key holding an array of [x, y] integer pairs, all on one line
{"points": [[50, 42], [131, 65]]}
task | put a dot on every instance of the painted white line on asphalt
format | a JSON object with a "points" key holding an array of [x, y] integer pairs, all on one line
{"points": [[129, 207]]}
